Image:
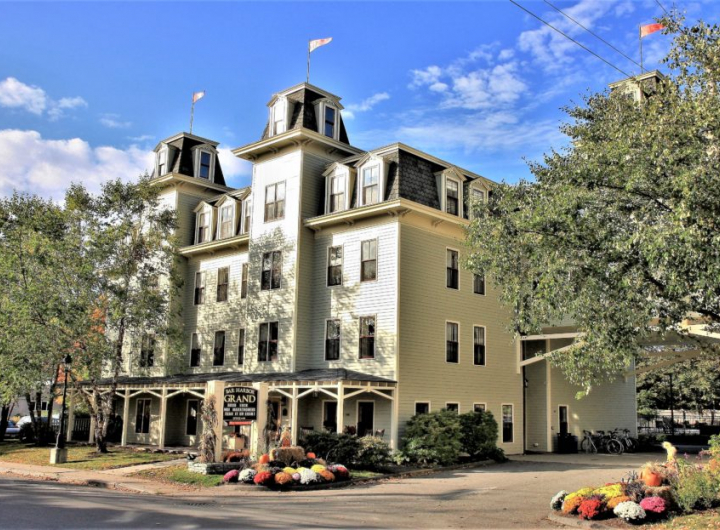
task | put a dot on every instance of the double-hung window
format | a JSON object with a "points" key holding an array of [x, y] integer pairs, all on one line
{"points": [[337, 193], [199, 288], [248, 215], [142, 416], [367, 337], [162, 162], [453, 271], [507, 423], [219, 349], [453, 407], [368, 260], [271, 270], [422, 407], [205, 161], [332, 340], [195, 350], [370, 185], [147, 351], [478, 284], [268, 343], [334, 267], [227, 219], [479, 346], [244, 280], [279, 114], [241, 347], [203, 227], [330, 118], [452, 203], [452, 342], [223, 279], [275, 201]]}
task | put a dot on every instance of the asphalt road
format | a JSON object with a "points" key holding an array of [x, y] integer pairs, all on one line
{"points": [[512, 495]]}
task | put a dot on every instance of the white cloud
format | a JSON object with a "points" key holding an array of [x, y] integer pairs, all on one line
{"points": [[112, 121], [141, 138], [15, 94], [33, 164], [237, 171], [365, 105], [428, 76], [486, 88]]}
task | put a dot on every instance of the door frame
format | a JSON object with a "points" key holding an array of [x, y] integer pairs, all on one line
{"points": [[322, 413], [567, 412], [357, 415]]}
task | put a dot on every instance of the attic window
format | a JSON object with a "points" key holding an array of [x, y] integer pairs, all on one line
{"points": [[227, 218], [203, 227], [279, 117], [162, 162], [205, 165], [204, 162], [370, 184], [452, 197], [330, 117], [337, 193]]}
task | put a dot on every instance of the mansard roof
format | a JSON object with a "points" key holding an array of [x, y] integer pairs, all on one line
{"points": [[304, 97], [180, 154]]}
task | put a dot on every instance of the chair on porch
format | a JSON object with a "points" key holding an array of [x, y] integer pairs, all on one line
{"points": [[380, 433]]}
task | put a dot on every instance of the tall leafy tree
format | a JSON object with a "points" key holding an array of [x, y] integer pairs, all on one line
{"points": [[619, 231]]}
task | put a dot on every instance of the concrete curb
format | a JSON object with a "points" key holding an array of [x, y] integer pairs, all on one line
{"points": [[574, 522]]}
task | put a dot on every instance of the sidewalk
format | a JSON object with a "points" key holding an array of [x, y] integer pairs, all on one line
{"points": [[118, 479]]}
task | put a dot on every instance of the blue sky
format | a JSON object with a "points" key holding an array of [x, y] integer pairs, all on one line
{"points": [[87, 89]]}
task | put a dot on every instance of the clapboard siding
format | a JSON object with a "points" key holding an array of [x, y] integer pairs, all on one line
{"points": [[425, 306], [536, 407]]}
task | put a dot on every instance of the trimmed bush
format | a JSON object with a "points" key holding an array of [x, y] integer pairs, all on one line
{"points": [[374, 454], [332, 446], [479, 434], [433, 438]]}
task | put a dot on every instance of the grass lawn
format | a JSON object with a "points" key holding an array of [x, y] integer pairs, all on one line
{"points": [[708, 520], [180, 475], [79, 457], [364, 474]]}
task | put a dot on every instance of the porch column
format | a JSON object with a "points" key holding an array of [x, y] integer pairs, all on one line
{"points": [[71, 418], [340, 407], [126, 418], [91, 436], [257, 430], [163, 417], [395, 404], [294, 410], [217, 389]]}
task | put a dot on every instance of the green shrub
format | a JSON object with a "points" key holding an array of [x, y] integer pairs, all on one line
{"points": [[341, 448], [374, 453], [478, 436], [693, 487], [432, 438]]}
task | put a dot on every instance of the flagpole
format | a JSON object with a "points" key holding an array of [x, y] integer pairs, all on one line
{"points": [[641, 57], [308, 65], [192, 112]]}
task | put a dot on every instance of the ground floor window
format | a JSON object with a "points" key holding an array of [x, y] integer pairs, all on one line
{"points": [[453, 407], [422, 407], [142, 416], [192, 417], [507, 423], [479, 407]]}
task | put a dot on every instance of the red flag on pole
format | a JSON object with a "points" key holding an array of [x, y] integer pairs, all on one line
{"points": [[314, 44], [647, 29]]}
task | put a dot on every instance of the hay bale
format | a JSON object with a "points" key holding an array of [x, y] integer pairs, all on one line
{"points": [[288, 455]]}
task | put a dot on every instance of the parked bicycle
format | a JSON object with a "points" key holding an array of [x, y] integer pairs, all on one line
{"points": [[601, 441]]}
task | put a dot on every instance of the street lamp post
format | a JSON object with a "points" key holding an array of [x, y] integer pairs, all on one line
{"points": [[58, 455]]}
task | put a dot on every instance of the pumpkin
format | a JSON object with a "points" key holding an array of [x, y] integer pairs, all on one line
{"points": [[651, 478], [311, 455], [264, 459]]}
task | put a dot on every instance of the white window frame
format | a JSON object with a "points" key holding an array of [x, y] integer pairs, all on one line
{"points": [[342, 266], [199, 341], [377, 259], [375, 334], [485, 337], [459, 197], [502, 421], [224, 206], [224, 353], [198, 158], [475, 188], [344, 177], [557, 416], [380, 165], [204, 286], [217, 284], [339, 359], [357, 414], [320, 109], [484, 404], [208, 213], [279, 107], [275, 201], [246, 220], [484, 293], [458, 269], [415, 404], [453, 403], [162, 151], [446, 340]]}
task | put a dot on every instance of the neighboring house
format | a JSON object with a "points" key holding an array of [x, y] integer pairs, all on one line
{"points": [[333, 285]]}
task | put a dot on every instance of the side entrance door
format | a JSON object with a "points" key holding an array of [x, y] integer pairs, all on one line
{"points": [[365, 418]]}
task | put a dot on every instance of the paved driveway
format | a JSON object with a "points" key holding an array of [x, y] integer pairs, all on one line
{"points": [[512, 495]]}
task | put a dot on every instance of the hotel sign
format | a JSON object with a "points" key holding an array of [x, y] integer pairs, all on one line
{"points": [[240, 405]]}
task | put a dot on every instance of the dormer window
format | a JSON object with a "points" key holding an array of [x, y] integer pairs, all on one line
{"points": [[370, 185], [330, 118], [279, 117], [203, 227], [227, 221], [337, 193], [204, 164], [162, 165], [452, 197], [247, 205], [477, 197]]}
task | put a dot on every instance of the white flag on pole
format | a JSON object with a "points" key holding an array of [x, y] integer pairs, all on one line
{"points": [[314, 44], [198, 95]]}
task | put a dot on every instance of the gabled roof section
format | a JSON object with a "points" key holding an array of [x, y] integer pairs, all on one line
{"points": [[201, 206], [180, 154]]}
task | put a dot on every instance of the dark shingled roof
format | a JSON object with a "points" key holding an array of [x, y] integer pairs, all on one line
{"points": [[303, 113], [236, 377], [180, 156]]}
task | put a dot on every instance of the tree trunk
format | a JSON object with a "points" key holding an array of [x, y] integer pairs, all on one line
{"points": [[4, 413]]}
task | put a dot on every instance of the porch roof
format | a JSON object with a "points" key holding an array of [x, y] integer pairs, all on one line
{"points": [[313, 375]]}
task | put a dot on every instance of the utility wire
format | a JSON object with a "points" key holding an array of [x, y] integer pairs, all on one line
{"points": [[592, 33], [571, 39], [662, 7]]}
